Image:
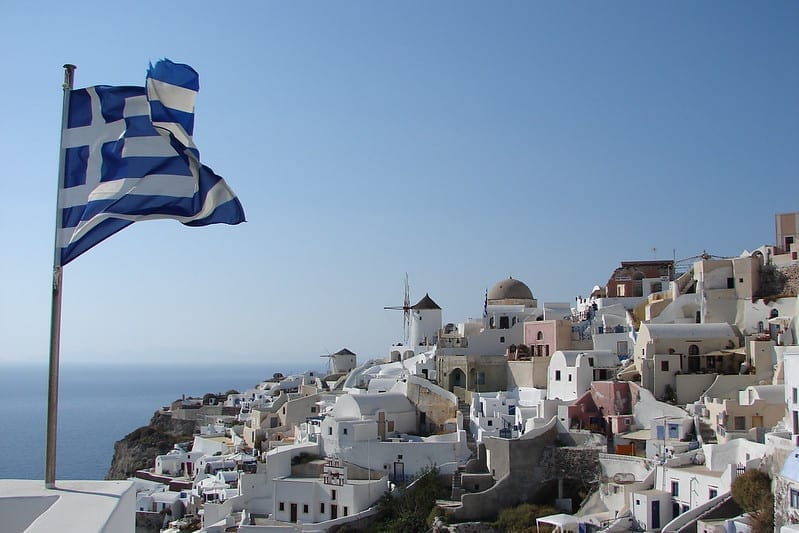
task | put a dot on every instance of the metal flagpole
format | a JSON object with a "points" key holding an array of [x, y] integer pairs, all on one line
{"points": [[55, 311]]}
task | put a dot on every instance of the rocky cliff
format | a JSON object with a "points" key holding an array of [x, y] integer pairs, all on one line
{"points": [[138, 449]]}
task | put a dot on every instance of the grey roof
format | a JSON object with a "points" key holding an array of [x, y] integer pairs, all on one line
{"points": [[426, 303], [510, 289]]}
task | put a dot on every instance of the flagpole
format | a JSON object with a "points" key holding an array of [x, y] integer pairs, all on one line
{"points": [[55, 310]]}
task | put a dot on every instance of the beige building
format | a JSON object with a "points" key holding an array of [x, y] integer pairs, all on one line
{"points": [[748, 415], [787, 225], [663, 351], [436, 408], [480, 373]]}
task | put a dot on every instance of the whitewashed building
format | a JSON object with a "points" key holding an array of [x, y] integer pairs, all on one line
{"points": [[571, 372]]}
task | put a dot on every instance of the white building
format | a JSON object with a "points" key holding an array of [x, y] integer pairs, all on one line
{"points": [[791, 373], [571, 372], [508, 304], [379, 431], [331, 496]]}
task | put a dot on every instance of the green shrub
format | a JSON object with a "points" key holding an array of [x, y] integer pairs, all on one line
{"points": [[521, 519], [752, 491], [410, 510]]}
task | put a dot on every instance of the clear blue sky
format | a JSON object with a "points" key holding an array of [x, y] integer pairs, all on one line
{"points": [[456, 141]]}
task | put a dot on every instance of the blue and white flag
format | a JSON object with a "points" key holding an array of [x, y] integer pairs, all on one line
{"points": [[129, 156]]}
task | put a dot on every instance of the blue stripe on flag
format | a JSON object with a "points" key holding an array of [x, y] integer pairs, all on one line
{"points": [[140, 126], [93, 237], [161, 113], [231, 210], [175, 74]]}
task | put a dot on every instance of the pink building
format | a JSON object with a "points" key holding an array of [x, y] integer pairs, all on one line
{"points": [[545, 337]]}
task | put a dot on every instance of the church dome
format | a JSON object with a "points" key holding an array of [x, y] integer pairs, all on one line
{"points": [[509, 289]]}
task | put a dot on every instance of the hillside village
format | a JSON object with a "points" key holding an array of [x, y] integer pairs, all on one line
{"points": [[631, 408]]}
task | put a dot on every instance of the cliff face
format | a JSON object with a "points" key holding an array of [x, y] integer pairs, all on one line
{"points": [[138, 449]]}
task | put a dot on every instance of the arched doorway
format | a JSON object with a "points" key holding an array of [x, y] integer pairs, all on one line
{"points": [[457, 379]]}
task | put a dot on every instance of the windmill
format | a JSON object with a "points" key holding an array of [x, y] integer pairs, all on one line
{"points": [[406, 310]]}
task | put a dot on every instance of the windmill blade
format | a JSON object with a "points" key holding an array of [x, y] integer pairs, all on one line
{"points": [[329, 362], [407, 309]]}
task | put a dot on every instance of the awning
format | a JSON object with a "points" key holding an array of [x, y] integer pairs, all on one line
{"points": [[560, 521], [641, 434]]}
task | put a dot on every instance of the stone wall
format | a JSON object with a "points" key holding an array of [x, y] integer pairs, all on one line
{"points": [[520, 466]]}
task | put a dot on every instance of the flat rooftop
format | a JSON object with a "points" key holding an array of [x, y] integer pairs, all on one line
{"points": [[72, 507]]}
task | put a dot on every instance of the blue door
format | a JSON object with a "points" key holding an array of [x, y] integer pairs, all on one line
{"points": [[655, 514]]}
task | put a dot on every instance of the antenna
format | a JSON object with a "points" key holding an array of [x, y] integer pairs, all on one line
{"points": [[406, 310]]}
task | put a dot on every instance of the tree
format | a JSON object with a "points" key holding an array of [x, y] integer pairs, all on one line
{"points": [[752, 491]]}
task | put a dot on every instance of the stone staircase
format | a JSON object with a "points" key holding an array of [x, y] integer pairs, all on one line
{"points": [[707, 433], [465, 409], [457, 486]]}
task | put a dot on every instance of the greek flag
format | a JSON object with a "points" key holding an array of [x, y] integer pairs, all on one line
{"points": [[128, 155]]}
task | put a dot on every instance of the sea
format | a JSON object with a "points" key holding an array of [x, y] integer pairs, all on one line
{"points": [[98, 405]]}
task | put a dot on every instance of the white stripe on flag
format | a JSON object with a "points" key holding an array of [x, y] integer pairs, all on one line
{"points": [[152, 146], [151, 185], [171, 96], [178, 131]]}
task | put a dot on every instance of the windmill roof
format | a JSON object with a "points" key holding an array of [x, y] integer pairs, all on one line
{"points": [[344, 351], [426, 303]]}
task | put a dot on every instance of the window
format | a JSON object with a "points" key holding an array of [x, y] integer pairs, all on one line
{"points": [[330, 431], [730, 283], [621, 348], [712, 493], [557, 375], [313, 409], [490, 423], [794, 395], [794, 499], [281, 506], [345, 431], [570, 376], [540, 336], [346, 510], [620, 290], [481, 378], [305, 508], [322, 507], [664, 366], [333, 495], [502, 339], [590, 361], [675, 488], [739, 423]]}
